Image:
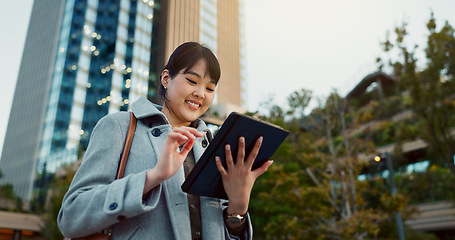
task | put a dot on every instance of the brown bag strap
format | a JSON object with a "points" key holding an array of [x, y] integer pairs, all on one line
{"points": [[127, 146]]}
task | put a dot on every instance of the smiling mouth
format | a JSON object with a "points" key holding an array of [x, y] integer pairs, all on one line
{"points": [[193, 104]]}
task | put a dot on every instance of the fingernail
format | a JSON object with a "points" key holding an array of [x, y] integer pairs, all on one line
{"points": [[228, 147], [217, 158], [242, 139], [260, 139]]}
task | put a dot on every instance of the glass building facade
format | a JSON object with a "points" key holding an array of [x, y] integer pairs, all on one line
{"points": [[100, 63], [101, 66]]}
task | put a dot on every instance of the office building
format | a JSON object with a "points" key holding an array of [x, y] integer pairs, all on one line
{"points": [[84, 59]]}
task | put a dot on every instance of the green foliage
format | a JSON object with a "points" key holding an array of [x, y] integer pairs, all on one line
{"points": [[13, 203], [431, 89], [388, 231], [384, 133], [435, 184], [298, 101], [406, 130], [309, 192], [49, 212]]}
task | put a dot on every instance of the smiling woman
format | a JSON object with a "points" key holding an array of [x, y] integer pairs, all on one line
{"points": [[185, 57], [189, 82], [148, 203]]}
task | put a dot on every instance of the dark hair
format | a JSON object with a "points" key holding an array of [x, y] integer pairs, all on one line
{"points": [[185, 57]]}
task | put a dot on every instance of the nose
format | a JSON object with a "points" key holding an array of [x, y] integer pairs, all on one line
{"points": [[199, 93]]}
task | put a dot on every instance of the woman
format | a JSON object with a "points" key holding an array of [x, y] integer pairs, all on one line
{"points": [[148, 203]]}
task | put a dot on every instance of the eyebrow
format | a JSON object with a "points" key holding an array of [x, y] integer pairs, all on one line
{"points": [[199, 76], [194, 73]]}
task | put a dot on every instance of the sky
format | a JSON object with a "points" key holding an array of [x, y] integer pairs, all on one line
{"points": [[290, 44]]}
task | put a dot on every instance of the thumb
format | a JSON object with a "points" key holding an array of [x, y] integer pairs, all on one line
{"points": [[262, 169]]}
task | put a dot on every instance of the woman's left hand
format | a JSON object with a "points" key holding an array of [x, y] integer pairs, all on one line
{"points": [[238, 178]]}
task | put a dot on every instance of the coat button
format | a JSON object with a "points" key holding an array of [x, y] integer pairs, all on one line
{"points": [[156, 132], [121, 218], [204, 143], [113, 206]]}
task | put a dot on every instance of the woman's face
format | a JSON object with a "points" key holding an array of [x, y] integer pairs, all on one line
{"points": [[190, 94]]}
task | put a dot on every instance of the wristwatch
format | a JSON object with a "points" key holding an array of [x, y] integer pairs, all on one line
{"points": [[234, 218]]}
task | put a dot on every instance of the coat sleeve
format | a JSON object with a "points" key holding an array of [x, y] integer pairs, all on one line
{"points": [[247, 233], [95, 201]]}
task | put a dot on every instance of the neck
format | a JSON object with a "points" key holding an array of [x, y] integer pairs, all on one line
{"points": [[172, 119]]}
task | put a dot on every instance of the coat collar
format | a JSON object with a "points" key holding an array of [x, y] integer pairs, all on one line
{"points": [[143, 108]]}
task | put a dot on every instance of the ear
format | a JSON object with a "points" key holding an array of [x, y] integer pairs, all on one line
{"points": [[165, 78]]}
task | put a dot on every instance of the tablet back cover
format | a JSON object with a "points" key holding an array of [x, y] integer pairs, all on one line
{"points": [[205, 179]]}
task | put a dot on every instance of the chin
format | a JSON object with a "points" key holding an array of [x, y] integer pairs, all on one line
{"points": [[192, 117]]}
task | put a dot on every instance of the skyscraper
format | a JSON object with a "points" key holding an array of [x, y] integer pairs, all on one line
{"points": [[84, 59]]}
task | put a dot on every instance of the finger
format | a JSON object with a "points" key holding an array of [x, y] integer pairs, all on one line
{"points": [[254, 152], [184, 131], [187, 147], [262, 169], [220, 166], [193, 131], [241, 150], [177, 139], [229, 160]]}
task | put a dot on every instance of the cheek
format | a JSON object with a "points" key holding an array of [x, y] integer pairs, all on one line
{"points": [[209, 98], [180, 90], [180, 84]]}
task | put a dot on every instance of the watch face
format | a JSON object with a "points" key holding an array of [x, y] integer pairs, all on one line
{"points": [[235, 219]]}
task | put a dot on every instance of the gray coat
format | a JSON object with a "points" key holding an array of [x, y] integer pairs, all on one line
{"points": [[96, 201]]}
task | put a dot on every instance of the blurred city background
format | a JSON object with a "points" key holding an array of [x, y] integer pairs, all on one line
{"points": [[366, 89]]}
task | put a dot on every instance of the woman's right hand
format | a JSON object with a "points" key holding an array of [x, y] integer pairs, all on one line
{"points": [[171, 160]]}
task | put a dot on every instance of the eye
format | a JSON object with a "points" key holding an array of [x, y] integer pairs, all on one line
{"points": [[210, 89], [191, 81]]}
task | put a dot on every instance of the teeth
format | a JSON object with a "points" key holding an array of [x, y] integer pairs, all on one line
{"points": [[193, 104]]}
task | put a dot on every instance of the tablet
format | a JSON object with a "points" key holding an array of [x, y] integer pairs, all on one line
{"points": [[205, 179]]}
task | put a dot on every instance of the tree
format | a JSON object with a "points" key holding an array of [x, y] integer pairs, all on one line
{"points": [[298, 102], [10, 201], [430, 89], [54, 197], [313, 191], [307, 193]]}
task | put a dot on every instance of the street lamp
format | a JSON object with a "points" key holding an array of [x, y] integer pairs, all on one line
{"points": [[393, 190], [377, 158]]}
